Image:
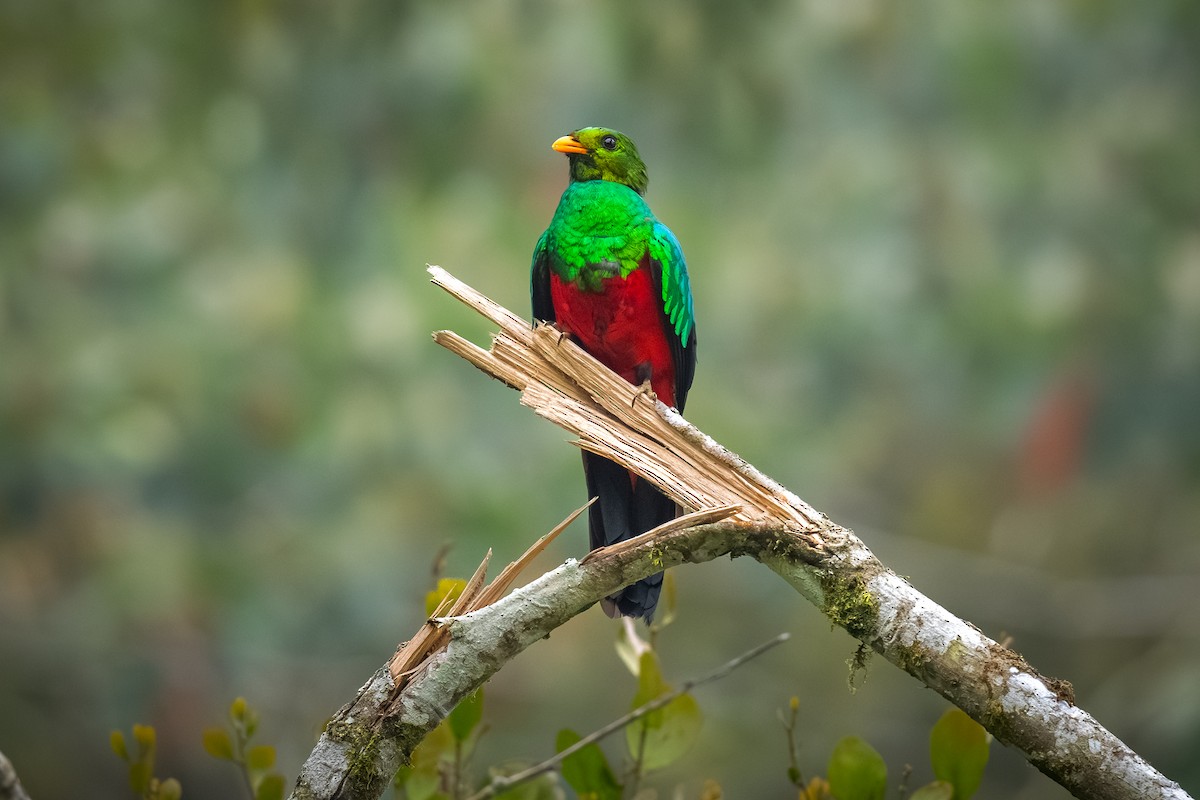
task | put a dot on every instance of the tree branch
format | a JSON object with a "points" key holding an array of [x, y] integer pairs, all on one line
{"points": [[10, 784], [368, 739]]}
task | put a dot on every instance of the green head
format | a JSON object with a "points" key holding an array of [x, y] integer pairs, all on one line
{"points": [[602, 154]]}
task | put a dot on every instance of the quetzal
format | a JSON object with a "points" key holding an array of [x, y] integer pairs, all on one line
{"points": [[611, 275]]}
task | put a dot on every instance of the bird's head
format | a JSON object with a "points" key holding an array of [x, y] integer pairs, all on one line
{"points": [[599, 154]]}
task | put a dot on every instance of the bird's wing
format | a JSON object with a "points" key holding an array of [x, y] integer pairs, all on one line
{"points": [[670, 273], [539, 281]]}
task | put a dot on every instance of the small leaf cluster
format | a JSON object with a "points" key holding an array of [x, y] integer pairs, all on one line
{"points": [[587, 770], [657, 740], [141, 764], [958, 753], [438, 767], [254, 761], [437, 770], [662, 736]]}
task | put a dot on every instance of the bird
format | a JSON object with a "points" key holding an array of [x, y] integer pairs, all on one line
{"points": [[607, 273]]}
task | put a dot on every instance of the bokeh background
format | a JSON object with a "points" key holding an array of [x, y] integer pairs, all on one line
{"points": [[946, 258]]}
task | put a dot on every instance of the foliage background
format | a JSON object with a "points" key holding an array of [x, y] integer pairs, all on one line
{"points": [[947, 264]]}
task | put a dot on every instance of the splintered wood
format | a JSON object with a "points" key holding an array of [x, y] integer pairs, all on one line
{"points": [[414, 654], [625, 423]]}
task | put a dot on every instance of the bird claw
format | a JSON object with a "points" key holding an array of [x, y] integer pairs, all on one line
{"points": [[643, 390], [562, 334]]}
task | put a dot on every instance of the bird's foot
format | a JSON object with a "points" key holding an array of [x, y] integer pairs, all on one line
{"points": [[643, 390], [562, 332]]}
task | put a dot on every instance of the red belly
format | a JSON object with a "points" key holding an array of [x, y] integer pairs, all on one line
{"points": [[621, 326]]}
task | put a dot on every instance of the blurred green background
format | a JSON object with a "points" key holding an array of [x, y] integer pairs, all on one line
{"points": [[946, 258]]}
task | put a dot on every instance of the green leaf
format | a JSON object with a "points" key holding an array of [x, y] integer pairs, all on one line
{"points": [[587, 771], [662, 736], [145, 736], [650, 680], [250, 722], [938, 790], [650, 687], [678, 727], [260, 758], [418, 784], [421, 786], [237, 709], [217, 744], [116, 740], [466, 715], [958, 751], [270, 787], [856, 771], [437, 743], [170, 790], [245, 718], [446, 587], [422, 777]]}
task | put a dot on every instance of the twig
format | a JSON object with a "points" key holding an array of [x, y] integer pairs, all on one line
{"points": [[414, 654], [789, 727], [635, 770], [500, 783]]}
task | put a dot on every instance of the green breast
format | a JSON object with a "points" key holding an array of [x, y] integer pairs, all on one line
{"points": [[600, 230]]}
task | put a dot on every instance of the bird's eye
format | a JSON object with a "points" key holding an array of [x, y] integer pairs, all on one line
{"points": [[609, 143]]}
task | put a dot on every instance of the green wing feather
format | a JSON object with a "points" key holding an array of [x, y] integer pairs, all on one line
{"points": [[666, 256], [676, 291]]}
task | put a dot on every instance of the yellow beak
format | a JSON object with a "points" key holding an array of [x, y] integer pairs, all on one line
{"points": [[569, 144]]}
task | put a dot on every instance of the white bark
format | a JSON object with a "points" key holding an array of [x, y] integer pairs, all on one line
{"points": [[10, 784]]}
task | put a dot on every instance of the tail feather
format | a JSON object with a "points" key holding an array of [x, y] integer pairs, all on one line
{"points": [[627, 507]]}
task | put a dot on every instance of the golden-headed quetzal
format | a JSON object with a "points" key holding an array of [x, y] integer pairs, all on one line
{"points": [[611, 275]]}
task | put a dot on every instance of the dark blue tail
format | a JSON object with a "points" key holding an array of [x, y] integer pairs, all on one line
{"points": [[628, 506]]}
